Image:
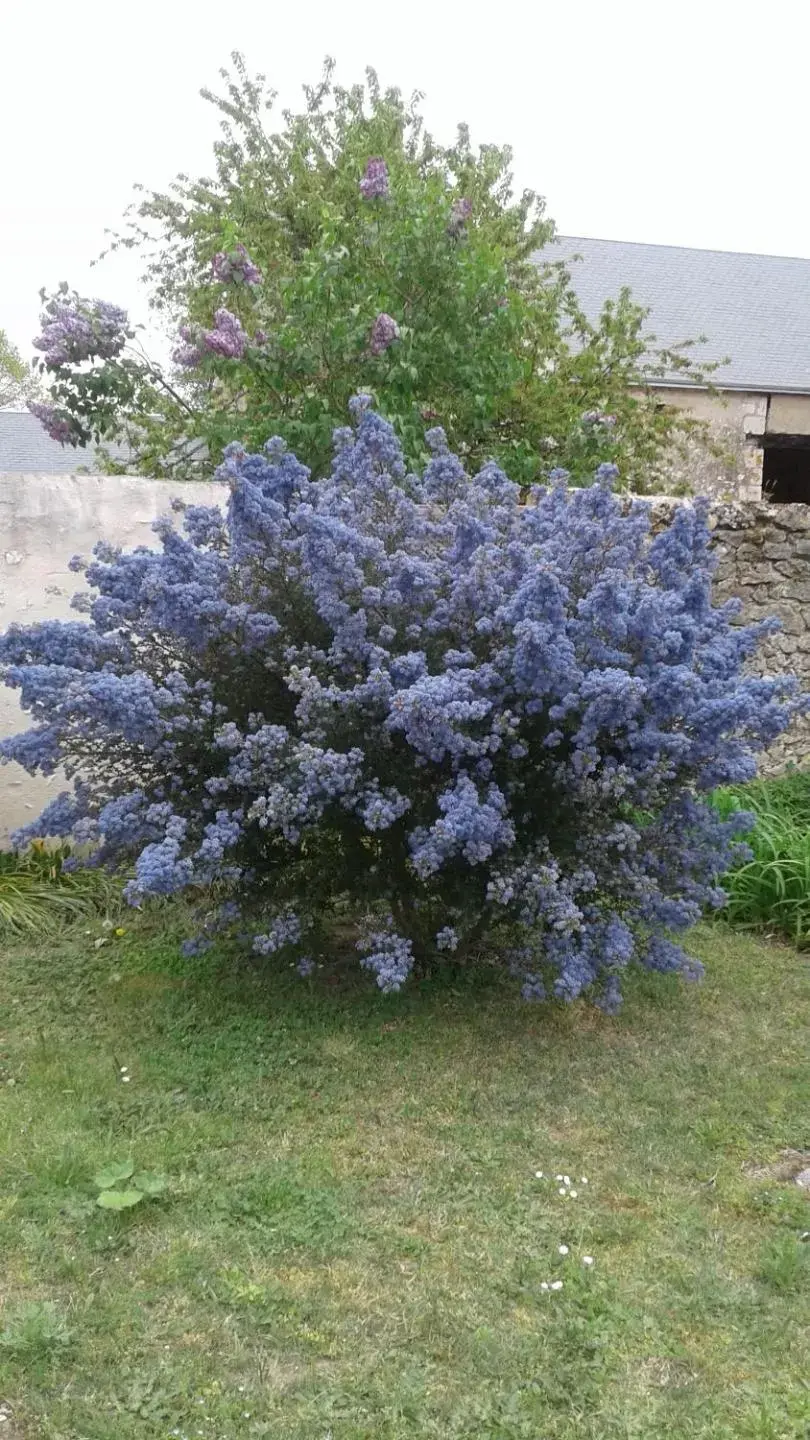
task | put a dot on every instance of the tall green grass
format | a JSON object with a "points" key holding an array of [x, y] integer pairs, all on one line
{"points": [[772, 889], [38, 894]]}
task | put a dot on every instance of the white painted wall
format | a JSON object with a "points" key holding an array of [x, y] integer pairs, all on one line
{"points": [[44, 520]]}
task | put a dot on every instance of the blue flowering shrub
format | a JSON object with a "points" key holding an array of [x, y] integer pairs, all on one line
{"points": [[409, 707]]}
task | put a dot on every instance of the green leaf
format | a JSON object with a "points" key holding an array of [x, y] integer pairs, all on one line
{"points": [[119, 1199], [111, 1174], [149, 1183]]}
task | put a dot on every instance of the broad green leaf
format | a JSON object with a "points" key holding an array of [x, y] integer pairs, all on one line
{"points": [[119, 1199], [111, 1174], [149, 1183]]}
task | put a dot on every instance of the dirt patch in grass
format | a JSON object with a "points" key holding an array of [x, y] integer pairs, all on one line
{"points": [[9, 1429], [787, 1167], [662, 1372]]}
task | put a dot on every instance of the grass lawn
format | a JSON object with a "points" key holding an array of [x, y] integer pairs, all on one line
{"points": [[352, 1242]]}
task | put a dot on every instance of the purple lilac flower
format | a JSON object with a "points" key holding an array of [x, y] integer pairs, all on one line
{"points": [[53, 422], [227, 337], [190, 353], [384, 332], [235, 267], [374, 183], [459, 215], [74, 330]]}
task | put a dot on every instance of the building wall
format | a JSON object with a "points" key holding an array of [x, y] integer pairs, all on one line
{"points": [[725, 461], [763, 556], [44, 520]]}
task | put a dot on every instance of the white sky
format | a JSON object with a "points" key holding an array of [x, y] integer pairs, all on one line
{"points": [[682, 123]]}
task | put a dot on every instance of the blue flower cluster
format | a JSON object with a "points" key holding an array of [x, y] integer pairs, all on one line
{"points": [[420, 706], [388, 955]]}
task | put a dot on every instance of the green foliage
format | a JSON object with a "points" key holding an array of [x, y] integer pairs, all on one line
{"points": [[17, 382], [785, 1264], [115, 1195], [37, 892], [34, 1330], [772, 889], [492, 345], [111, 1174], [119, 1199]]}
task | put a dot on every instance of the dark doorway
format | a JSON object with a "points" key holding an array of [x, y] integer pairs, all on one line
{"points": [[786, 469]]}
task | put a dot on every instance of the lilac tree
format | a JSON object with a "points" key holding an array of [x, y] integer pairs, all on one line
{"points": [[411, 703], [347, 250]]}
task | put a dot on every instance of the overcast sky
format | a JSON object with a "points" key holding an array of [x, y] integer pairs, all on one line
{"points": [[683, 123]]}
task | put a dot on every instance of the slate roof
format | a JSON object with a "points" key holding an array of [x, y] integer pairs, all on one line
{"points": [[754, 309], [25, 448]]}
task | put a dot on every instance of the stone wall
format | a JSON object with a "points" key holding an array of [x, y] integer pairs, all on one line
{"points": [[764, 557], [763, 552]]}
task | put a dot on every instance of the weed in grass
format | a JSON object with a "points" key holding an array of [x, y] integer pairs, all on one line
{"points": [[121, 1187], [34, 1330], [785, 1264]]}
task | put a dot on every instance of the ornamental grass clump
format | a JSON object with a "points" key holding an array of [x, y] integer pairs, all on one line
{"points": [[410, 709]]}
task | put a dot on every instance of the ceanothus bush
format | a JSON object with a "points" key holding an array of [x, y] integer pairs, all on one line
{"points": [[408, 706]]}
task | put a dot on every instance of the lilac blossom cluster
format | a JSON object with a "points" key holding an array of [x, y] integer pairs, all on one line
{"points": [[227, 339], [415, 704], [374, 184], [74, 329], [459, 215], [235, 267], [54, 422], [384, 332]]}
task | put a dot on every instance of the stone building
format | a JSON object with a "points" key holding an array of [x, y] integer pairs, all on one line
{"points": [[754, 312]]}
